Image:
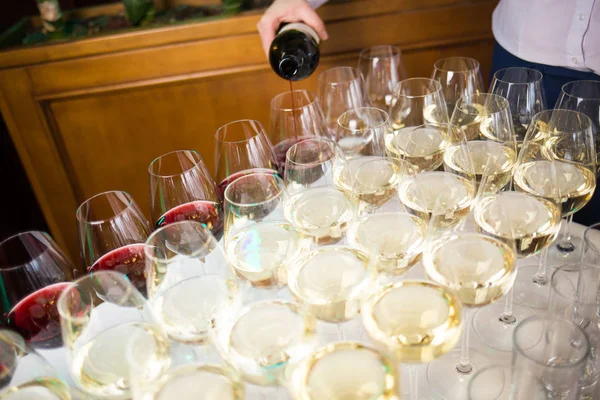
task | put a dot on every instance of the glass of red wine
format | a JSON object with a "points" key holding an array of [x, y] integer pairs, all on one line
{"points": [[33, 272], [181, 189], [112, 231], [242, 148], [295, 115]]}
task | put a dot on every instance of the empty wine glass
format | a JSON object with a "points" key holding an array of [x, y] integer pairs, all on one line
{"points": [[361, 132], [500, 382], [189, 280], [181, 188], [34, 272], [241, 147], [459, 76], [105, 329], [295, 116], [259, 242], [584, 97], [524, 90], [381, 68], [112, 231], [340, 89], [417, 101]]}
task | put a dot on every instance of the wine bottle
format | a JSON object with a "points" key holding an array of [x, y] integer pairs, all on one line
{"points": [[294, 53]]}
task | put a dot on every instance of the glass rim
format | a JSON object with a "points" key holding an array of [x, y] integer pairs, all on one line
{"points": [[129, 205], [561, 269], [395, 51], [563, 91], [542, 116], [355, 72], [21, 234], [313, 100], [317, 139], [505, 105], [396, 161], [155, 233], [474, 61], [436, 84], [536, 318], [538, 78], [197, 163], [219, 131], [370, 110], [280, 187]]}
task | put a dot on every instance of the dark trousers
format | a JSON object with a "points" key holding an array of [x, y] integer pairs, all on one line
{"points": [[554, 79]]}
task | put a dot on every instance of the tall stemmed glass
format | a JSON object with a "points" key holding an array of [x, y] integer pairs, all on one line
{"points": [[361, 132], [241, 148], [106, 331], [34, 271], [112, 231], [417, 321], [295, 116], [524, 90], [340, 89], [459, 76], [557, 162], [318, 206], [181, 188], [259, 242], [584, 97], [382, 69], [417, 101]]}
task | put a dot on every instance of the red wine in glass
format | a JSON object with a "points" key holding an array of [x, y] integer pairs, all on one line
{"points": [[223, 185], [281, 148], [36, 317], [208, 213], [129, 260]]}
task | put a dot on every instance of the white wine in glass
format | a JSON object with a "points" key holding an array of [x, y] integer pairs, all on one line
{"points": [[423, 145]]}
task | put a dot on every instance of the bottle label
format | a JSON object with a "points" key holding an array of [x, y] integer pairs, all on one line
{"points": [[298, 26]]}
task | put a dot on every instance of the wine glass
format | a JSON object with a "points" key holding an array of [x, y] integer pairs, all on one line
{"points": [[459, 76], [345, 370], [340, 89], [106, 330], [181, 188], [317, 206], [189, 280], [361, 132], [26, 375], [241, 147], [295, 116], [480, 269], [112, 231], [34, 272], [500, 382], [260, 243], [523, 88], [417, 101], [584, 97], [415, 320], [381, 68], [557, 162]]}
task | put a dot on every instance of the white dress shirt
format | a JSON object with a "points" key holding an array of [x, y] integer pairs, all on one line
{"points": [[563, 33]]}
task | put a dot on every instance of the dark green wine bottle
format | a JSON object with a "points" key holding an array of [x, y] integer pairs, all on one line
{"points": [[294, 53]]}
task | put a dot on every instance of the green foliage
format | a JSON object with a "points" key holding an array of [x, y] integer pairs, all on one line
{"points": [[139, 12], [231, 6]]}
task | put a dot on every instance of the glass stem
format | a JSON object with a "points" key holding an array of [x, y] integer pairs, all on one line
{"points": [[464, 366], [507, 317], [340, 332], [541, 276], [414, 382], [564, 244]]}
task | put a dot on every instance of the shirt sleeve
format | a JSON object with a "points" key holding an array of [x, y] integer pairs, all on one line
{"points": [[316, 3]]}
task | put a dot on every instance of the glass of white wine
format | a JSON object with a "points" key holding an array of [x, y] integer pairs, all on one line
{"points": [[259, 242], [417, 101], [345, 370], [189, 280], [26, 375], [557, 162], [422, 145], [361, 132], [317, 207], [263, 338], [417, 321], [486, 120], [480, 269], [382, 69], [459, 76]]}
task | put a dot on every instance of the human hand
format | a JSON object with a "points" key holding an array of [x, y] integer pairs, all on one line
{"points": [[288, 11]]}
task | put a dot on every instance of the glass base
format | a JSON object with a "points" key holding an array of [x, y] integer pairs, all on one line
{"points": [[560, 254], [444, 378], [496, 331], [531, 294]]}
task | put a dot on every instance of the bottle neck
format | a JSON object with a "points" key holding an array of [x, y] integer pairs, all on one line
{"points": [[289, 66], [299, 26]]}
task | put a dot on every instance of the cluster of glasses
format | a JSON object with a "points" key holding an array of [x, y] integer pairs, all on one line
{"points": [[369, 231]]}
